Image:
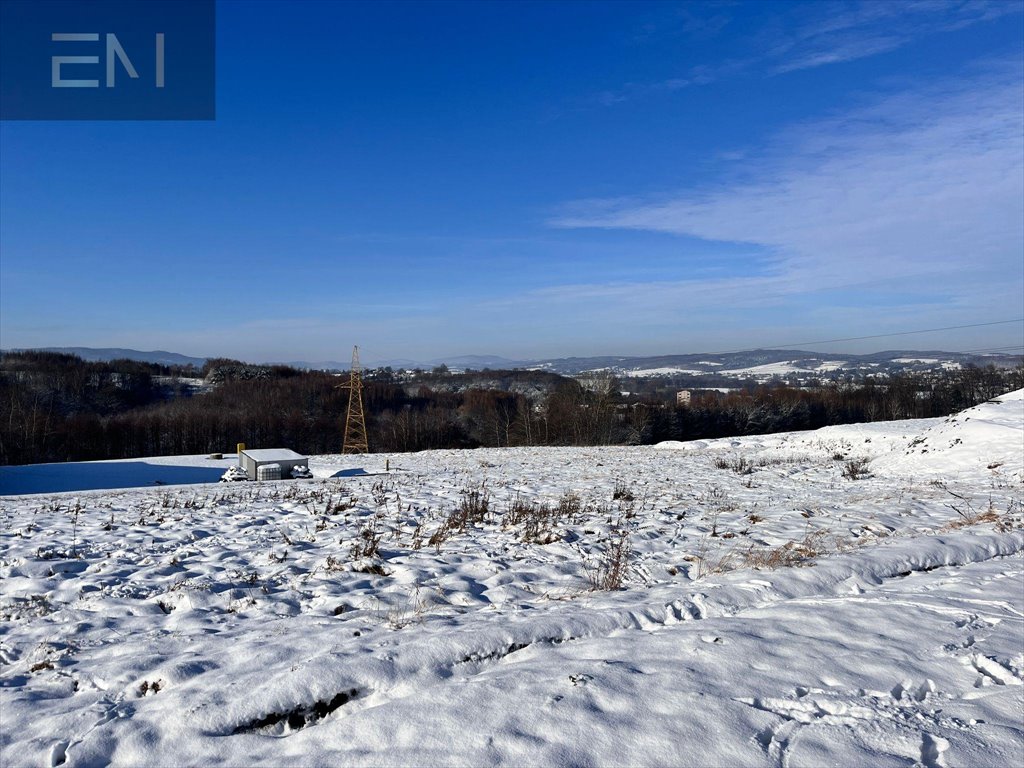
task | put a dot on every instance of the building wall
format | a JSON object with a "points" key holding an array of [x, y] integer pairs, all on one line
{"points": [[250, 465]]}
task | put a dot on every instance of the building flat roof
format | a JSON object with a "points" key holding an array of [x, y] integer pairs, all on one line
{"points": [[272, 454]]}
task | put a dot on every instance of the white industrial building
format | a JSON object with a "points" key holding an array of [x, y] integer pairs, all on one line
{"points": [[271, 463]]}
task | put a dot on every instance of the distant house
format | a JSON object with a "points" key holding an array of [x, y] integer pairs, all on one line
{"points": [[683, 397], [284, 458]]}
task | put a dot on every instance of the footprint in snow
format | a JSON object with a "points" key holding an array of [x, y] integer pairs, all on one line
{"points": [[59, 753], [932, 749]]}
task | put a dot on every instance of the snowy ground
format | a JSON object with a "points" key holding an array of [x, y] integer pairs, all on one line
{"points": [[851, 596], [104, 475]]}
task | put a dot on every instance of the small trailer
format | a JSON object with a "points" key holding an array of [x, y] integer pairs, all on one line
{"points": [[288, 463]]}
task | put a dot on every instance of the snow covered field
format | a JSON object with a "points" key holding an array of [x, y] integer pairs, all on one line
{"points": [[102, 475], [851, 596]]}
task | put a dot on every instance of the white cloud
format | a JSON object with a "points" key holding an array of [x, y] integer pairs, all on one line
{"points": [[838, 51], [834, 32], [918, 192], [817, 34]]}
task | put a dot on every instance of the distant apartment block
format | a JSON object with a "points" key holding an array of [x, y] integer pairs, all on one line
{"points": [[683, 397]]}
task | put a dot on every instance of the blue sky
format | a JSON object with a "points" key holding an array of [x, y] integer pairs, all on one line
{"points": [[534, 180]]}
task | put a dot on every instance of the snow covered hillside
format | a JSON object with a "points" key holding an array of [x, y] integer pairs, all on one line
{"points": [[850, 596]]}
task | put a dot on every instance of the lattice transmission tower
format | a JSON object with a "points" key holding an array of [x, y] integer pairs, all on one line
{"points": [[355, 422]]}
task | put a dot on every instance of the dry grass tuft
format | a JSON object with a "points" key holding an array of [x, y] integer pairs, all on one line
{"points": [[623, 492], [856, 469], [368, 543], [967, 515], [539, 521], [791, 554], [473, 509], [612, 567], [740, 465]]}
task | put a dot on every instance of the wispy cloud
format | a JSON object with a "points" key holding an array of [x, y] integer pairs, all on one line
{"points": [[703, 74], [836, 32], [918, 193], [861, 46], [691, 21], [818, 34]]}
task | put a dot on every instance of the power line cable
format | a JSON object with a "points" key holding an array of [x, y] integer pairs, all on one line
{"points": [[887, 335], [989, 349]]}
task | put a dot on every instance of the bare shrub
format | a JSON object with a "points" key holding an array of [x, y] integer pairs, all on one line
{"points": [[333, 565], [569, 506], [792, 553], [475, 506], [75, 511], [417, 535], [380, 491], [706, 560], [473, 509], [536, 520], [538, 528], [368, 543], [855, 469], [778, 461], [409, 611], [988, 516], [518, 510], [539, 521], [740, 465], [330, 505], [622, 492], [612, 567], [441, 535], [716, 496], [968, 515]]}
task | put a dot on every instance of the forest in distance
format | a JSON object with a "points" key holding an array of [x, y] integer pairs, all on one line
{"points": [[57, 407]]}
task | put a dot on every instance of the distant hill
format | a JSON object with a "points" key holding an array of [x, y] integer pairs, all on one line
{"points": [[755, 363], [456, 363], [478, 362], [96, 355], [767, 362]]}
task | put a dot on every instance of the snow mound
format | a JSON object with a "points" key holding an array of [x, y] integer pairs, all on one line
{"points": [[988, 436]]}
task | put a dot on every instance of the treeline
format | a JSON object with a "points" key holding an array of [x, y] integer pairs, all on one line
{"points": [[60, 408], [766, 409], [44, 396]]}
